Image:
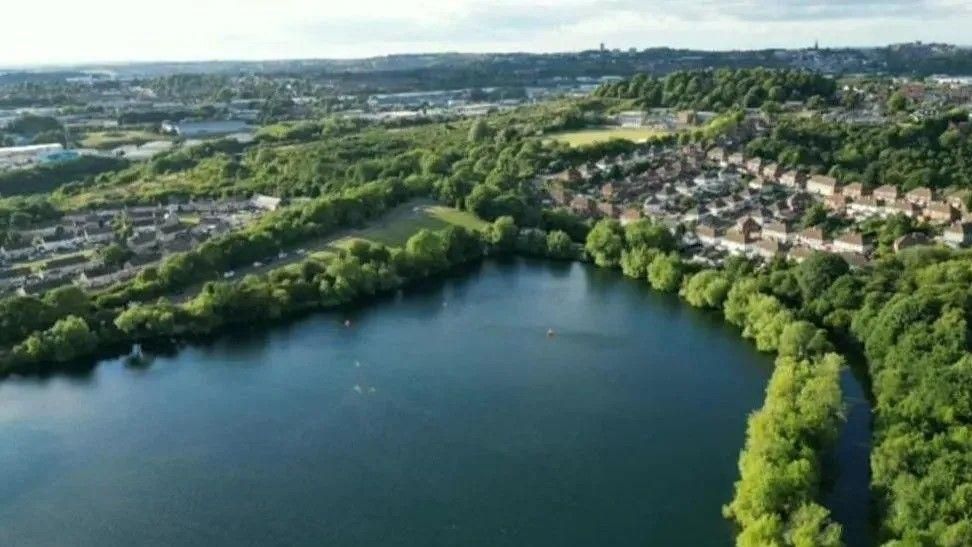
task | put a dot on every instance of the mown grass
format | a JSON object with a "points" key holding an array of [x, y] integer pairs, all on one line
{"points": [[402, 223]]}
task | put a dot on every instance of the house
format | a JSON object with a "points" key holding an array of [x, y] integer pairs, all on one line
{"points": [[38, 286], [748, 227], [812, 238], [59, 242], [708, 235], [13, 276], [823, 185], [559, 194], [608, 191], [958, 234], [920, 196], [854, 260], [852, 242], [16, 250], [170, 232], [736, 242], [939, 211], [777, 231], [65, 265], [735, 159], [608, 210], [582, 205], [855, 190], [772, 171], [265, 203], [717, 155], [630, 215], [799, 254], [98, 275], [140, 260], [99, 235], [767, 248], [142, 241], [903, 207], [865, 207], [793, 179], [754, 167], [180, 243], [913, 239], [886, 193], [836, 202]]}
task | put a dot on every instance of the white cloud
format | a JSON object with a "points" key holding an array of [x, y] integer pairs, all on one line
{"points": [[57, 31]]}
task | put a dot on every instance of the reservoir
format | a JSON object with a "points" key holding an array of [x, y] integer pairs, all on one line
{"points": [[447, 415]]}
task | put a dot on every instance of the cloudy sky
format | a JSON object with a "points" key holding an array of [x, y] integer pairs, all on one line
{"points": [[62, 31]]}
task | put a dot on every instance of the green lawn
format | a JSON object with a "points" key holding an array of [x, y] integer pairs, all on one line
{"points": [[593, 136], [403, 222]]}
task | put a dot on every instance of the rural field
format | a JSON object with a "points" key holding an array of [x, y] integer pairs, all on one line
{"points": [[594, 136]]}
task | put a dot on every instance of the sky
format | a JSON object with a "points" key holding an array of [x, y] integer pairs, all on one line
{"points": [[74, 31]]}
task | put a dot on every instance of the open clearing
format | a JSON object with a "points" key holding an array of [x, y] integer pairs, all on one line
{"points": [[112, 139], [594, 136], [401, 223]]}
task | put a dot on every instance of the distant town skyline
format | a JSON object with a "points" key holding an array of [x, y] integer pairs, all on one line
{"points": [[50, 32]]}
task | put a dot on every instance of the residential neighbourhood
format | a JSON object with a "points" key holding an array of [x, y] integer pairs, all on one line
{"points": [[72, 249], [721, 203]]}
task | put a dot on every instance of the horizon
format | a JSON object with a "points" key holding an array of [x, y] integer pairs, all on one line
{"points": [[282, 30], [623, 49]]}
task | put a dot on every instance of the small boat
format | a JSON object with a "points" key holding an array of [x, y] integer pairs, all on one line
{"points": [[137, 352], [347, 323], [551, 333]]}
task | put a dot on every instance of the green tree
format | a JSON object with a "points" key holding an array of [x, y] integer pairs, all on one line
{"points": [[605, 243]]}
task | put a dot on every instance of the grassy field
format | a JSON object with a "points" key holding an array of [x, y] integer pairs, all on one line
{"points": [[593, 136], [402, 222], [104, 140]]}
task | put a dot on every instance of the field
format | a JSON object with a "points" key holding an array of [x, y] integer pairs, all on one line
{"points": [[396, 227], [593, 136], [106, 140]]}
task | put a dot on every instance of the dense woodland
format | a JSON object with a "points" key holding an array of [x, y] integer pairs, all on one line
{"points": [[722, 88], [936, 152]]}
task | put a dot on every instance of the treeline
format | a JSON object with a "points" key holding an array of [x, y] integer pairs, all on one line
{"points": [[721, 89], [47, 177], [68, 324], [780, 466], [913, 324], [933, 153]]}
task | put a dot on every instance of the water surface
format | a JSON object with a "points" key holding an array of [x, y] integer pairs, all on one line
{"points": [[446, 416]]}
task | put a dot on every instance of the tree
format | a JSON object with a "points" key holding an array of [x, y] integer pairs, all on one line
{"points": [[559, 245], [605, 243], [665, 273], [480, 131], [818, 272], [644, 233], [114, 254], [897, 102], [502, 234]]}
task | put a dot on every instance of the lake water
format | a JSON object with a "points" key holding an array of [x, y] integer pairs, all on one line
{"points": [[444, 416]]}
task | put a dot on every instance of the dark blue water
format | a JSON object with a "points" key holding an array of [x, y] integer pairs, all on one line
{"points": [[446, 416]]}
